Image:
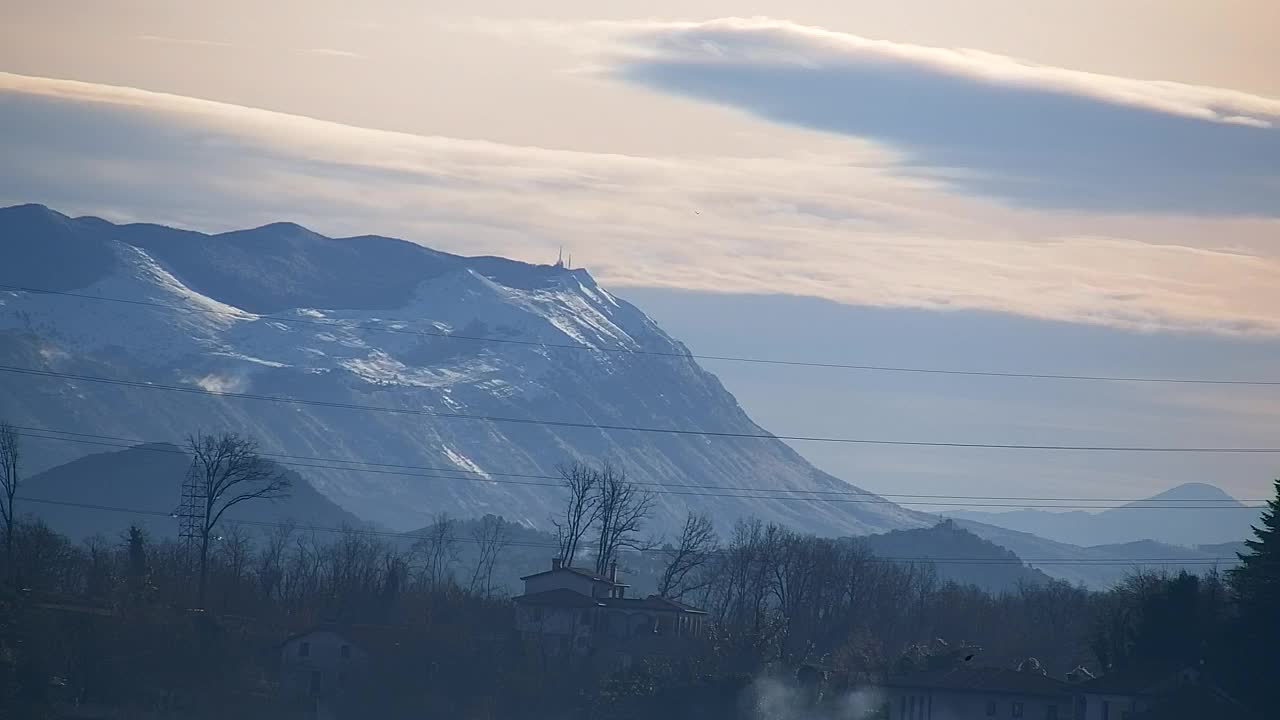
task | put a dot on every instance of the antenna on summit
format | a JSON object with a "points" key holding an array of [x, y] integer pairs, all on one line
{"points": [[560, 258]]}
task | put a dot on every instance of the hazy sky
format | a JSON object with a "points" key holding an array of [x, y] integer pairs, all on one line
{"points": [[1112, 165]]}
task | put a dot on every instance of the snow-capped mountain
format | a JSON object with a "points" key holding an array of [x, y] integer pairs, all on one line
{"points": [[371, 321]]}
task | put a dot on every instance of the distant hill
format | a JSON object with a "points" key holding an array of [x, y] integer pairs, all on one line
{"points": [[148, 478], [964, 557], [1226, 521], [1101, 566]]}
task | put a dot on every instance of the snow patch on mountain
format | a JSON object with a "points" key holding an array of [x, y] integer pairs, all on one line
{"points": [[431, 345]]}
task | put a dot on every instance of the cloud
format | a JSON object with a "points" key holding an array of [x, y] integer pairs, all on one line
{"points": [[184, 41], [331, 52], [1032, 134], [839, 222]]}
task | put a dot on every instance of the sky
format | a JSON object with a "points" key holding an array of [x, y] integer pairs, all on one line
{"points": [[1086, 186]]}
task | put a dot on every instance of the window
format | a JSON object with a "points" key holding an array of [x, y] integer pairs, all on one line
{"points": [[315, 682], [1017, 710], [991, 708], [1106, 710], [304, 649], [345, 651], [1051, 713]]}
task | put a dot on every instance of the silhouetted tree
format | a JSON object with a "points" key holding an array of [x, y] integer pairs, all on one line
{"points": [[438, 548], [581, 510], [1256, 583], [491, 535], [136, 570], [622, 509], [694, 548], [228, 471], [10, 456], [1256, 580]]}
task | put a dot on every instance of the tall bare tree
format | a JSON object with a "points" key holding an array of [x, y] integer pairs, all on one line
{"points": [[438, 548], [581, 510], [621, 510], [10, 454], [694, 549], [492, 537], [228, 471]]}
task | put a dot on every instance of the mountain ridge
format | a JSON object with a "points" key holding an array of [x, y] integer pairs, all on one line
{"points": [[1223, 520], [193, 329]]}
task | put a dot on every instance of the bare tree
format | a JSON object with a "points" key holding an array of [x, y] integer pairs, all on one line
{"points": [[10, 454], [269, 568], [492, 537], [697, 544], [228, 471], [439, 550], [621, 510], [580, 512]]}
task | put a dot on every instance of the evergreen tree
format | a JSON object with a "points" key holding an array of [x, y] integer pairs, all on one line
{"points": [[1257, 579], [1257, 587], [136, 573]]}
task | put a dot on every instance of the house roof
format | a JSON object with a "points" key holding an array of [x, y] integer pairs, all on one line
{"points": [[1197, 702], [559, 597], [373, 639], [653, 602], [983, 680], [564, 597], [589, 574], [1137, 680]]}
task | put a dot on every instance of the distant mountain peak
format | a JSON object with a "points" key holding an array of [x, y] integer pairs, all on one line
{"points": [[28, 208], [1195, 491]]}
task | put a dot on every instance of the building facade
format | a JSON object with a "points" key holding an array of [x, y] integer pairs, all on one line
{"points": [[574, 612], [979, 693]]}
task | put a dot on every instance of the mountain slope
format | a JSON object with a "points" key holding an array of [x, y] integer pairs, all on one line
{"points": [[380, 322], [1222, 520], [148, 479]]}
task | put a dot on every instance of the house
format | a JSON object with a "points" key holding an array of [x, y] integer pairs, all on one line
{"points": [[959, 693], [1153, 691], [325, 659], [571, 611]]}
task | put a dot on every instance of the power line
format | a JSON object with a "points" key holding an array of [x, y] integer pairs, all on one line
{"points": [[558, 481], [329, 322], [623, 428], [550, 546], [876, 501]]}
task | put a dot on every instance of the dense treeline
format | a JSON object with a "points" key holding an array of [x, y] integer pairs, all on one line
{"points": [[156, 626], [107, 622]]}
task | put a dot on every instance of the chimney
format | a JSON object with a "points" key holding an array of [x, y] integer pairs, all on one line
{"points": [[557, 563], [613, 571]]}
